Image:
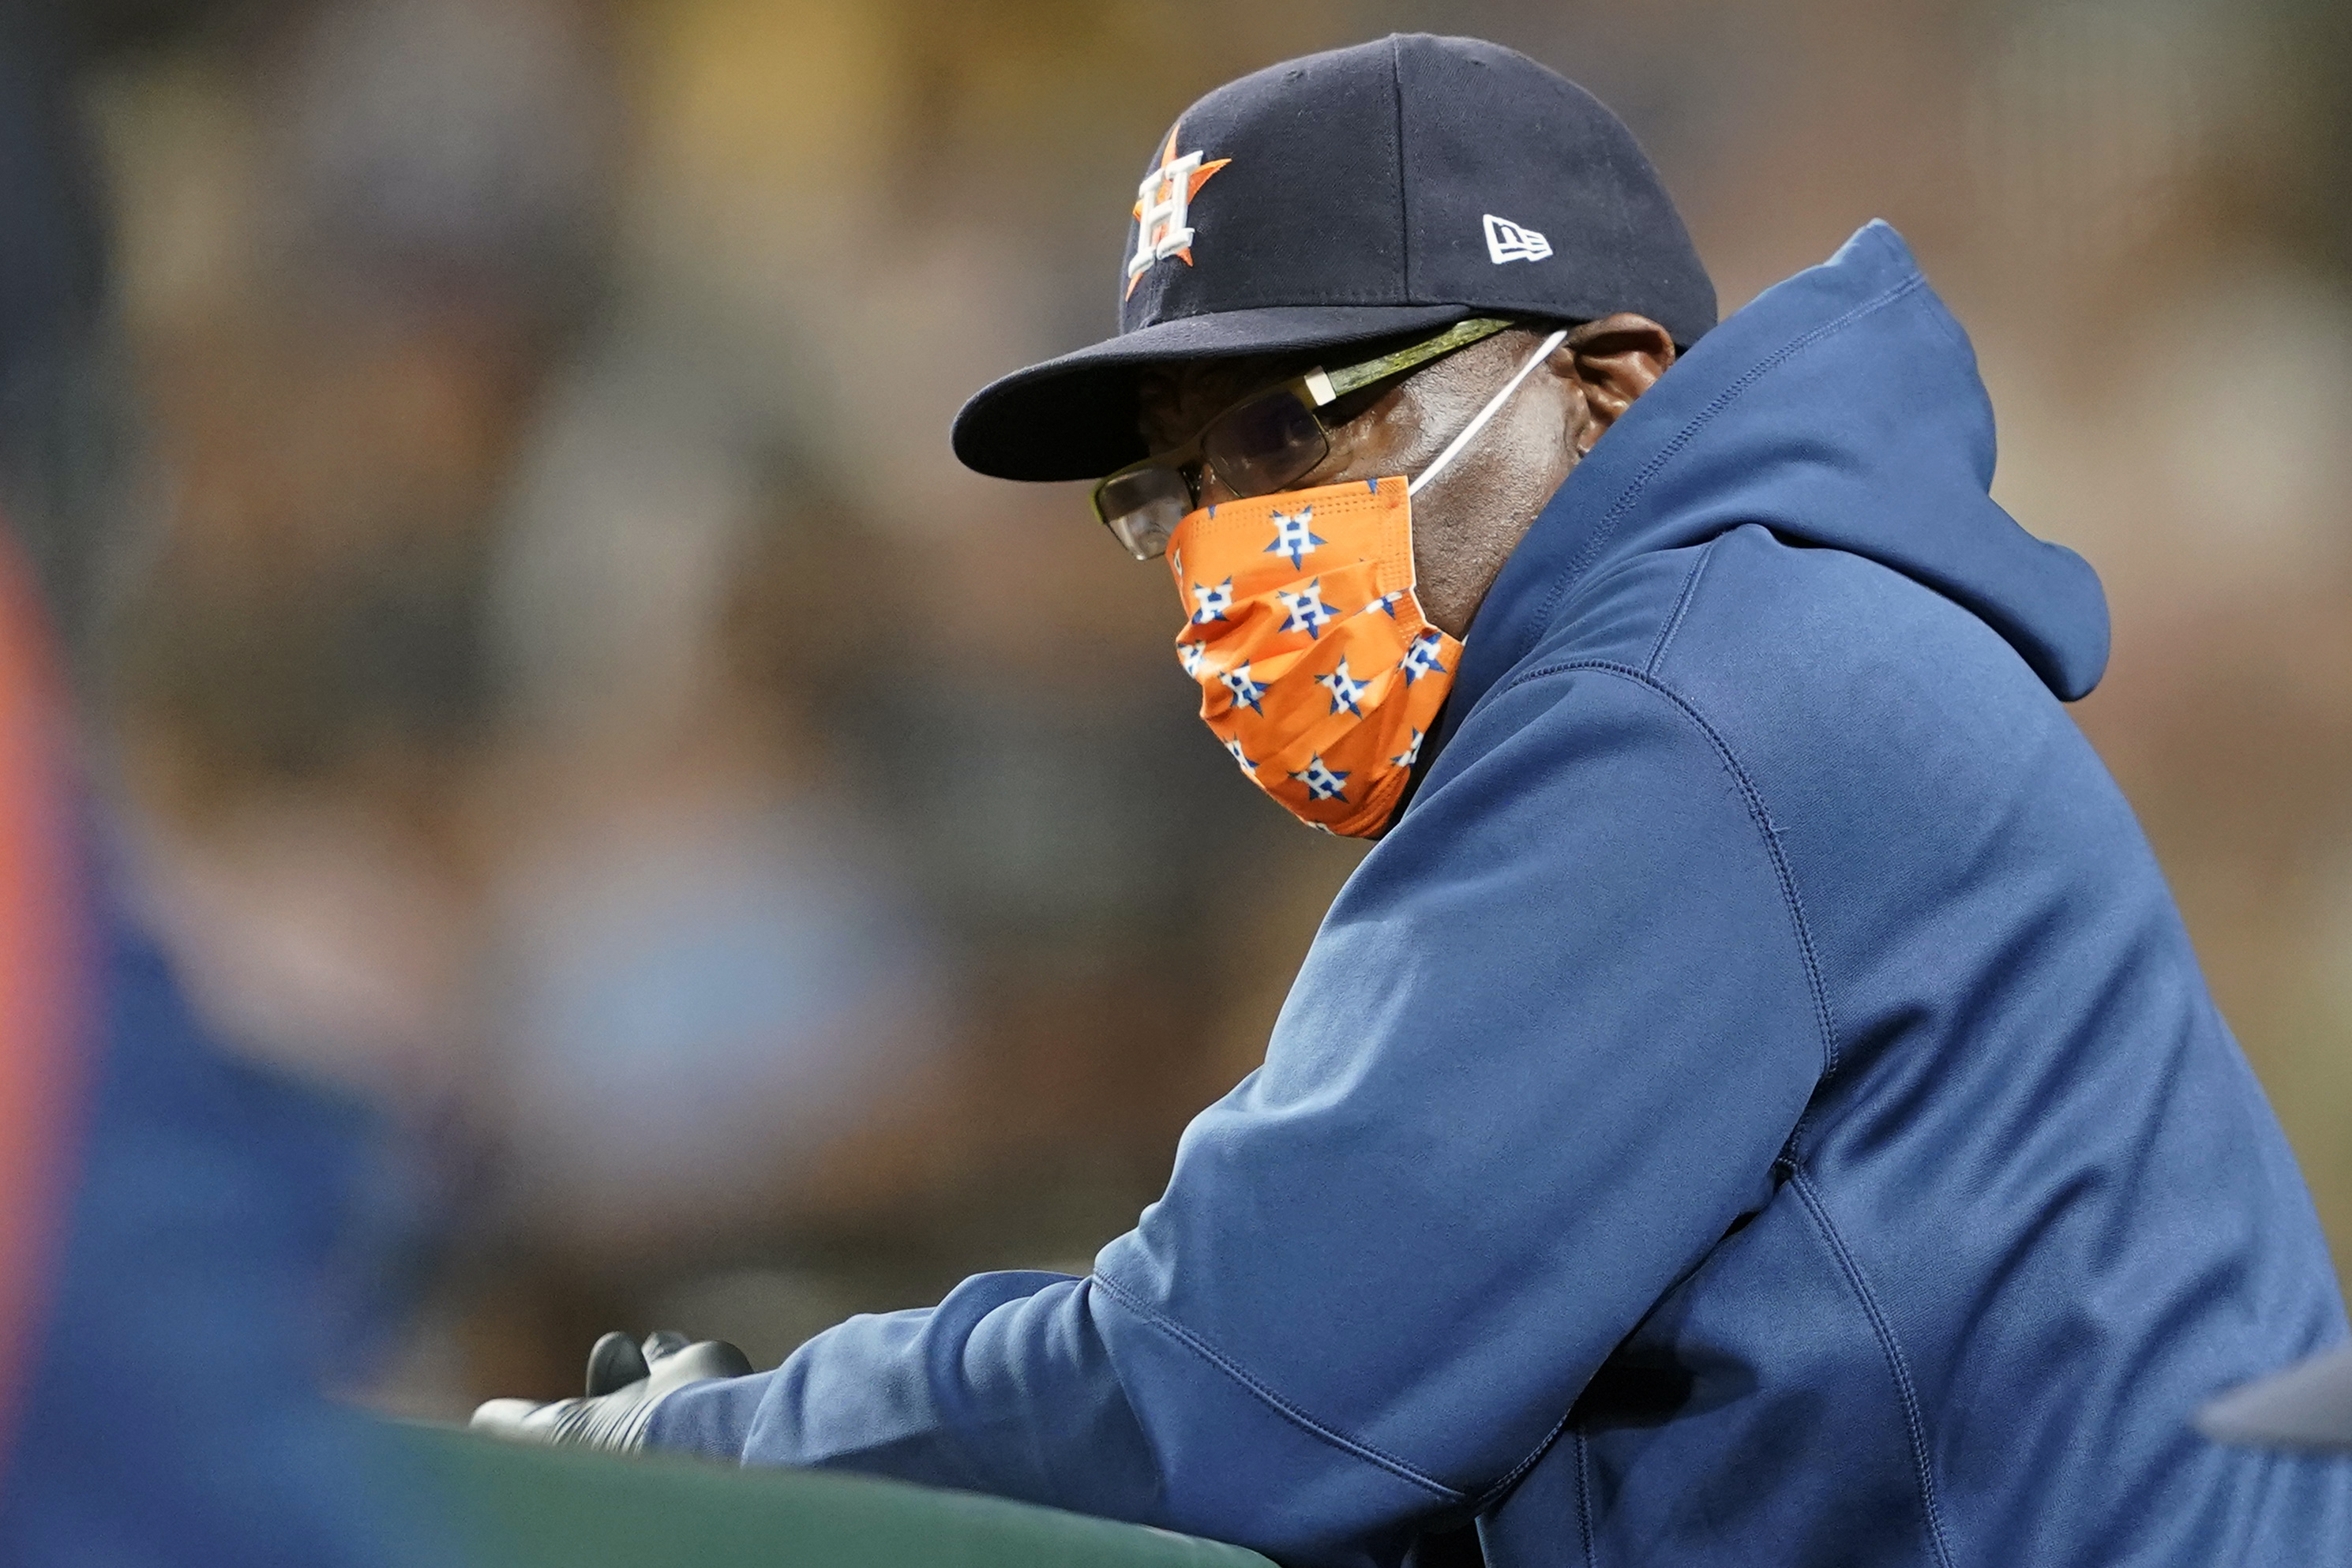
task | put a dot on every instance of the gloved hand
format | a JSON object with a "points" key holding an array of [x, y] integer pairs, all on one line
{"points": [[624, 1382]]}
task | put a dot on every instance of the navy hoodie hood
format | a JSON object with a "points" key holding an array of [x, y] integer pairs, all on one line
{"points": [[1840, 408]]}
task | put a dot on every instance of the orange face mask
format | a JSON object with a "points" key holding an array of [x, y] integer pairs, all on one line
{"points": [[1316, 668]]}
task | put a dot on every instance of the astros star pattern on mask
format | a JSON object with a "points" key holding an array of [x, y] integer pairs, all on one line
{"points": [[1322, 783], [1346, 693], [1318, 671], [1292, 536], [1423, 657], [1246, 693], [1210, 603], [1163, 209], [1305, 611]]}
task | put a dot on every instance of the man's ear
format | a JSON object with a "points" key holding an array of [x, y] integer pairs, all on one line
{"points": [[1615, 360]]}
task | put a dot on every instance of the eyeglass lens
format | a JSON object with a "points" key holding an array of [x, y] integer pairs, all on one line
{"points": [[1271, 441], [1255, 448], [1143, 508]]}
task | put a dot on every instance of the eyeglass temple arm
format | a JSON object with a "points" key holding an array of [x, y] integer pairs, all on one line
{"points": [[1327, 387]]}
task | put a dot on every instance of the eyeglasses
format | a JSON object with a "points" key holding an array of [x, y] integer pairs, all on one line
{"points": [[1266, 441]]}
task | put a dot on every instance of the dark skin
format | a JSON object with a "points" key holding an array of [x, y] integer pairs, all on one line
{"points": [[1473, 515]]}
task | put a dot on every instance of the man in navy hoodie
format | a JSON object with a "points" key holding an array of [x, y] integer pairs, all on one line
{"points": [[1756, 1103]]}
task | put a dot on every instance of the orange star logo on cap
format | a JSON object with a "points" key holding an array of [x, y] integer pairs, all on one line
{"points": [[1163, 209]]}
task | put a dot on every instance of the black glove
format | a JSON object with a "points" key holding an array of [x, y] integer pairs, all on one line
{"points": [[624, 1382]]}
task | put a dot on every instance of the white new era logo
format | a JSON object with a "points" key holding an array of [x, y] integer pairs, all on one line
{"points": [[1506, 241]]}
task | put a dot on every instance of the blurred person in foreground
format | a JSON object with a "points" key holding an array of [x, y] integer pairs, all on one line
{"points": [[2305, 1410], [192, 1246], [1758, 1102], [2307, 1406]]}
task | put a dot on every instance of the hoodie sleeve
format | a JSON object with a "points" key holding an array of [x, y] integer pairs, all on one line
{"points": [[1543, 1054]]}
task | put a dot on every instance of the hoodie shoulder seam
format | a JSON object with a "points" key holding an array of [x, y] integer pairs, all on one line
{"points": [[1824, 1014], [1354, 1448], [1607, 528]]}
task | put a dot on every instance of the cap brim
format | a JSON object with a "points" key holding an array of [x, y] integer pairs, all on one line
{"points": [[2308, 1406], [1074, 417]]}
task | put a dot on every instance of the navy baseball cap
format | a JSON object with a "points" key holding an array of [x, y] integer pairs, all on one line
{"points": [[1391, 188]]}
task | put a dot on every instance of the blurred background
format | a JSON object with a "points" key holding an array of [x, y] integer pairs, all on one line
{"points": [[493, 454]]}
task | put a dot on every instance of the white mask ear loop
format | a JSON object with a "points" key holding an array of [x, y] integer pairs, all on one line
{"points": [[1470, 431]]}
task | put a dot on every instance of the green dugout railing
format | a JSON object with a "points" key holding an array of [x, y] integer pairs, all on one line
{"points": [[528, 1507]]}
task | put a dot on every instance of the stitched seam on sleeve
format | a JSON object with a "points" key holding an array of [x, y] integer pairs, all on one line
{"points": [[1754, 800], [1914, 1423], [1511, 1477], [1681, 605], [1582, 560], [1281, 1406], [1584, 1499]]}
